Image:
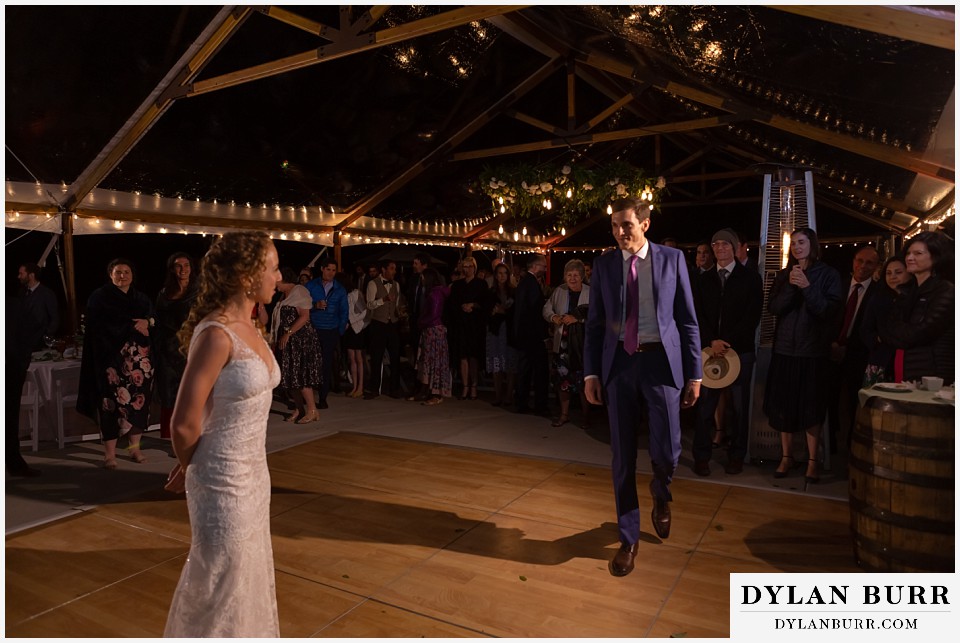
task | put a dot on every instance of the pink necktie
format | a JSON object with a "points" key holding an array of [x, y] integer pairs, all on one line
{"points": [[631, 330]]}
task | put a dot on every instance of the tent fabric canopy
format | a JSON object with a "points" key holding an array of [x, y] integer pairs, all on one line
{"points": [[384, 117]]}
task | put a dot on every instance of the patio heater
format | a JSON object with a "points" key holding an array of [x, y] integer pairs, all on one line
{"points": [[787, 205]]}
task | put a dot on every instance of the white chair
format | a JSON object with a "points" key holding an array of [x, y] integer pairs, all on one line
{"points": [[66, 383], [30, 402]]}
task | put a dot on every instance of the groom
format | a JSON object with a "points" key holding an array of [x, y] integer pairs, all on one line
{"points": [[642, 339]]}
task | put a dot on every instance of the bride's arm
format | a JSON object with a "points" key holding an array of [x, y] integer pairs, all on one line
{"points": [[208, 356]]}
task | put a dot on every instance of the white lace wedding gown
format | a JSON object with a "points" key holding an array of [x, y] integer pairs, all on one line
{"points": [[227, 588]]}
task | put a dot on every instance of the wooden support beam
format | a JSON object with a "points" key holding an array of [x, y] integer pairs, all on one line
{"points": [[536, 122], [872, 197], [689, 160], [704, 202], [368, 19], [587, 139], [495, 222], [70, 277], [716, 193], [304, 24], [583, 225], [207, 44], [441, 152], [928, 25], [349, 46], [607, 113], [891, 155], [146, 216], [671, 180], [823, 202], [571, 95]]}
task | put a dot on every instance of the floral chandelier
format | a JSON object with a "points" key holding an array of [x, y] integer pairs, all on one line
{"points": [[568, 193]]}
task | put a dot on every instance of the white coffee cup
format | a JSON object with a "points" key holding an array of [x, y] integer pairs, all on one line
{"points": [[932, 384]]}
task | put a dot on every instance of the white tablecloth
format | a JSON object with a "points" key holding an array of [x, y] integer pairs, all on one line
{"points": [[913, 395], [42, 375]]}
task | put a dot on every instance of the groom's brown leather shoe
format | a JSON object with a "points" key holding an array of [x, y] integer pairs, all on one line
{"points": [[661, 518], [622, 563]]}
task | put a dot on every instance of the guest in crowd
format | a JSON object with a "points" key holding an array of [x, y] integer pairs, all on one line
{"points": [[414, 303], [529, 334], [704, 260], [468, 323], [173, 305], [729, 301], [305, 276], [40, 303], [743, 256], [433, 355], [297, 347], [21, 335], [848, 353], [227, 588], [354, 340], [384, 301], [880, 354], [501, 360], [116, 374], [587, 271], [566, 311], [805, 298], [329, 318], [920, 325]]}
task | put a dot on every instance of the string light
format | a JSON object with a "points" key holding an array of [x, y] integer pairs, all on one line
{"points": [[500, 229], [524, 233], [609, 209]]}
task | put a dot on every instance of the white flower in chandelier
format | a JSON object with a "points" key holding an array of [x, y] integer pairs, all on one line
{"points": [[566, 169], [546, 187], [494, 184], [587, 186], [525, 186], [661, 183], [621, 189], [501, 183]]}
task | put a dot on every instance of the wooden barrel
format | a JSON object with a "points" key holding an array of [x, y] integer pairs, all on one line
{"points": [[902, 486]]}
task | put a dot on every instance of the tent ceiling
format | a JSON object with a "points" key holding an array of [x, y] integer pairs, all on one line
{"points": [[390, 113]]}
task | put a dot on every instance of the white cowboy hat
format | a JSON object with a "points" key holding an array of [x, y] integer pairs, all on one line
{"points": [[720, 372]]}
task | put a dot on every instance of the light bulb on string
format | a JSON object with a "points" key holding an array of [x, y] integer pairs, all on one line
{"points": [[549, 204], [500, 229], [563, 232], [609, 209], [516, 236], [569, 193], [503, 209], [500, 200], [524, 232]]}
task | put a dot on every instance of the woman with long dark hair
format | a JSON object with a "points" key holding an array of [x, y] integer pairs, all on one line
{"points": [[172, 308], [880, 355], [805, 298], [433, 355], [502, 358]]}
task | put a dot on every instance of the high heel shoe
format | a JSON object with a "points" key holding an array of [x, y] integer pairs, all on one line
{"points": [[560, 421], [783, 474], [309, 416], [473, 392], [811, 479], [293, 417]]}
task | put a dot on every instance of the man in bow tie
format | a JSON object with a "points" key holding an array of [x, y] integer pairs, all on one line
{"points": [[383, 300]]}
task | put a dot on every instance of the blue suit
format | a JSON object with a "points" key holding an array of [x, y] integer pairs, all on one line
{"points": [[657, 375]]}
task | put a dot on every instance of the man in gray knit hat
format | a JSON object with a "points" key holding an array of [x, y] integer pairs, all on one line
{"points": [[729, 301]]}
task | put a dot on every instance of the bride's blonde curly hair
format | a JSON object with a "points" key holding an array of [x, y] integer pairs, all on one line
{"points": [[231, 266]]}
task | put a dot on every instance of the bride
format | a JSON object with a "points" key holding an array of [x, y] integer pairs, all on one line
{"points": [[219, 426]]}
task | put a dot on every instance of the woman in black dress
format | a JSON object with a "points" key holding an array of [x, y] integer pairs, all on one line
{"points": [[805, 297], [469, 325], [116, 374], [880, 356], [297, 347], [172, 307]]}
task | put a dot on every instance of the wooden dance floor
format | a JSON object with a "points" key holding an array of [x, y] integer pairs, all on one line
{"points": [[382, 537]]}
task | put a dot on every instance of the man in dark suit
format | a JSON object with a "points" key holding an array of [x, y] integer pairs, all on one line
{"points": [[415, 296], [641, 339], [529, 333], [743, 257], [848, 353], [729, 301], [39, 301], [21, 334]]}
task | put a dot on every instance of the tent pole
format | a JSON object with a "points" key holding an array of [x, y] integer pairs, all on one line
{"points": [[69, 284], [338, 249]]}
